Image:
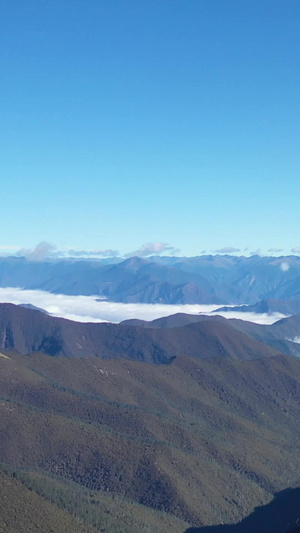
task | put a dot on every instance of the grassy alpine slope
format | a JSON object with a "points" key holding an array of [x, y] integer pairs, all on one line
{"points": [[204, 441]]}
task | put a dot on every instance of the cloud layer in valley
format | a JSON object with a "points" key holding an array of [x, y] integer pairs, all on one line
{"points": [[92, 309]]}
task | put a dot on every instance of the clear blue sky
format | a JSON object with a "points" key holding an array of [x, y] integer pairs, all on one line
{"points": [[125, 122]]}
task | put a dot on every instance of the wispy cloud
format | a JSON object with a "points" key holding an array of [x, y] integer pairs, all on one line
{"points": [[6, 250], [92, 253], [42, 251], [275, 250], [255, 252], [45, 250], [296, 250], [153, 248], [285, 267], [227, 250], [91, 309]]}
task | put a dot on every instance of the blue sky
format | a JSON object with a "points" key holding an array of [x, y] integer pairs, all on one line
{"points": [[126, 123]]}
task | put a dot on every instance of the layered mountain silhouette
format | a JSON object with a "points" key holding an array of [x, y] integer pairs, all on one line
{"points": [[27, 330], [205, 279], [283, 335]]}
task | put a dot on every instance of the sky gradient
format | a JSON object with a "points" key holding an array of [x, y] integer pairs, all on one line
{"points": [[128, 122]]}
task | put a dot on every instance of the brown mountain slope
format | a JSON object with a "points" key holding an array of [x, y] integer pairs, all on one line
{"points": [[178, 320], [283, 335], [27, 330], [205, 441], [279, 335]]}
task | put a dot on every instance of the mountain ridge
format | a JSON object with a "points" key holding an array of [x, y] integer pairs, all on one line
{"points": [[220, 280], [28, 330]]}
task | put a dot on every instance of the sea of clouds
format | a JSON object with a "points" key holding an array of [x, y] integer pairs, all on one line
{"points": [[91, 309]]}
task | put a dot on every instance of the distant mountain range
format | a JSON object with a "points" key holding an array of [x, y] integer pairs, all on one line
{"points": [[219, 279]]}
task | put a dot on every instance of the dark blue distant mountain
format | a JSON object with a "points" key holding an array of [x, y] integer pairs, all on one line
{"points": [[173, 280]]}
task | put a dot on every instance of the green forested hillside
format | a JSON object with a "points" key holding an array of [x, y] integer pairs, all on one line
{"points": [[33, 501], [204, 441], [22, 510]]}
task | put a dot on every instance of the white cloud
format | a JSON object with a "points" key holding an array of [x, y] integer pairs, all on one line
{"points": [[296, 250], [92, 253], [153, 248], [255, 252], [257, 318], [227, 250], [45, 250], [275, 250], [284, 266], [42, 251], [90, 309]]}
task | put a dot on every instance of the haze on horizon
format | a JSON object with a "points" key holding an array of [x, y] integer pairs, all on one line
{"points": [[154, 127]]}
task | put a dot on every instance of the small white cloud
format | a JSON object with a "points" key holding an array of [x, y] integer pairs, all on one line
{"points": [[92, 253], [42, 251], [284, 266], [227, 250], [275, 250], [153, 248], [255, 252], [296, 250]]}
